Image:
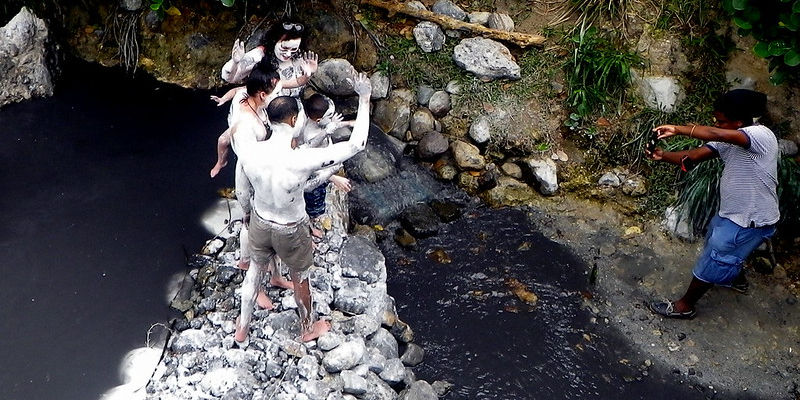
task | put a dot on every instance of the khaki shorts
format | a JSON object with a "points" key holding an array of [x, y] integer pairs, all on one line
{"points": [[292, 243]]}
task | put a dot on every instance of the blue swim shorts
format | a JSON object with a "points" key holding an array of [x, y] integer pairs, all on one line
{"points": [[727, 246]]}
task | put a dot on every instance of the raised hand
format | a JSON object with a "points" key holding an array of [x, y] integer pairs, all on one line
{"points": [[218, 100], [665, 131], [333, 124], [238, 51], [361, 83], [310, 63]]}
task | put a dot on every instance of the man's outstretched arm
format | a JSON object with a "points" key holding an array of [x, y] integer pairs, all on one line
{"points": [[314, 159]]}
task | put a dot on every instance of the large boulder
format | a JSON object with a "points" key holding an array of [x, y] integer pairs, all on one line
{"points": [[486, 58], [24, 70], [331, 77]]}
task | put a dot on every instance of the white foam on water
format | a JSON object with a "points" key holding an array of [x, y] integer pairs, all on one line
{"points": [[217, 218], [135, 371]]}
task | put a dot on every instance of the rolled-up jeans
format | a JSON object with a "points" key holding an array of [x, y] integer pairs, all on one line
{"points": [[727, 246]]}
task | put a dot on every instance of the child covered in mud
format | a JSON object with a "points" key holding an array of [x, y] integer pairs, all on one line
{"points": [[322, 120]]}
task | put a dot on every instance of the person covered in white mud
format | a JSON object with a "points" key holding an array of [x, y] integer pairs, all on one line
{"points": [[285, 39], [322, 120], [277, 220], [248, 109]]}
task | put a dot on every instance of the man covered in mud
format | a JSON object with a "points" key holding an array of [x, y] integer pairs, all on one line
{"points": [[277, 219], [748, 209]]}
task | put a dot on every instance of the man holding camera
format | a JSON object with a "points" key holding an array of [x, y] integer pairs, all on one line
{"points": [[748, 208]]}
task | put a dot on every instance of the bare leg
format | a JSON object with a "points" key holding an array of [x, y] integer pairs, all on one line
{"points": [[696, 290], [244, 248], [302, 294], [275, 277], [252, 279], [223, 145], [263, 300], [316, 232]]}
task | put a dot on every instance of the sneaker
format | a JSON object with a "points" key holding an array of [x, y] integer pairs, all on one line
{"points": [[740, 287], [666, 309]]}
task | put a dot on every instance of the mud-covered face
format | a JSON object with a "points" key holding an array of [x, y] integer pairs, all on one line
{"points": [[285, 50]]}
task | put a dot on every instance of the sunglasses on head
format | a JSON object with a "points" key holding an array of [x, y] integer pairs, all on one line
{"points": [[292, 27]]}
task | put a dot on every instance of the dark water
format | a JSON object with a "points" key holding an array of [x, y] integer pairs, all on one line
{"points": [[102, 188], [489, 343]]}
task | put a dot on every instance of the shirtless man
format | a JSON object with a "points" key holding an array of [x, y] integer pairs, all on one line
{"points": [[277, 219], [261, 87]]}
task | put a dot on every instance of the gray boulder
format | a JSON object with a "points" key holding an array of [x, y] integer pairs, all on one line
{"points": [[331, 77], [380, 85], [439, 104], [24, 71], [500, 22], [431, 145], [363, 260], [393, 114], [486, 58], [422, 122], [429, 36], [450, 9]]}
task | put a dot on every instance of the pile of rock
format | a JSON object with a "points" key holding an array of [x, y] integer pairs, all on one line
{"points": [[368, 353], [26, 59]]}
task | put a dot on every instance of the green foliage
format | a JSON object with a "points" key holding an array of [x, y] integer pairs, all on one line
{"points": [[775, 24], [789, 189], [692, 16], [599, 71], [597, 13], [661, 189], [698, 193]]}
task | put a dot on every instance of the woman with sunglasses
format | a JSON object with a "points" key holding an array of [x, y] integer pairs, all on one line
{"points": [[285, 39]]}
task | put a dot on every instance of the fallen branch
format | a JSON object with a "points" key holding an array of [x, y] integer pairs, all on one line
{"points": [[520, 39]]}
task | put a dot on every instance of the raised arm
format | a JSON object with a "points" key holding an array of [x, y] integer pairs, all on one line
{"points": [[237, 70], [314, 159], [321, 176], [226, 97], [308, 64], [704, 133]]}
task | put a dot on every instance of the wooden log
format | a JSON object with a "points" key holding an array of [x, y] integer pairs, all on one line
{"points": [[518, 38]]}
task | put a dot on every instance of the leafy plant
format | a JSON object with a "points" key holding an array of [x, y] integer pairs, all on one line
{"points": [[789, 189], [594, 12], [775, 24], [163, 8], [599, 71], [698, 193]]}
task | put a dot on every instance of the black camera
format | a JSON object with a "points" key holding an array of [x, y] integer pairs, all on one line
{"points": [[651, 143]]}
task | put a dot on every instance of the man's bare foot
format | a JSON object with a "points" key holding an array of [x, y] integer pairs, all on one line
{"points": [[317, 329], [218, 167], [316, 232], [244, 265], [281, 282], [241, 332], [264, 301]]}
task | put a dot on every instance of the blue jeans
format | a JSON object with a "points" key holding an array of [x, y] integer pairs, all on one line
{"points": [[315, 201], [727, 246]]}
